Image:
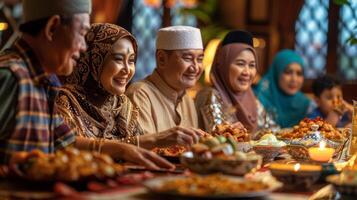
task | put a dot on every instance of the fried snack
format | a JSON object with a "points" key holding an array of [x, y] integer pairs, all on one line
{"points": [[227, 130], [304, 127], [210, 185], [69, 164], [173, 151]]}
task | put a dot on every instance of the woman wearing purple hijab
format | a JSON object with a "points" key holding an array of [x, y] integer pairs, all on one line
{"points": [[231, 98]]}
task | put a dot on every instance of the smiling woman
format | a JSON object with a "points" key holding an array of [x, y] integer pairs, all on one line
{"points": [[231, 98], [280, 88], [92, 99], [119, 67]]}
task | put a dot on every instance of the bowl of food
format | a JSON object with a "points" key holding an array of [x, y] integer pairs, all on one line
{"points": [[201, 165], [219, 154], [268, 146], [240, 163], [213, 186], [294, 175]]}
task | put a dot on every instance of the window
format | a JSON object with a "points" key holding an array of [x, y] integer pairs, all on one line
{"points": [[146, 22], [347, 54], [311, 36]]}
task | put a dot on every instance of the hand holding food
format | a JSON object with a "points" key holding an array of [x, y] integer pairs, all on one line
{"points": [[176, 149]]}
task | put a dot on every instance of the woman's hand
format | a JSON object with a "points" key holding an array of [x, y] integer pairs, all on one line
{"points": [[127, 152], [141, 156]]}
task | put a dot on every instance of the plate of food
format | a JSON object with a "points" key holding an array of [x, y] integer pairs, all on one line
{"points": [[213, 186], [67, 165], [172, 153]]}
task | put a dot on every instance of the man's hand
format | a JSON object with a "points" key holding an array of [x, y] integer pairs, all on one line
{"points": [[178, 136]]}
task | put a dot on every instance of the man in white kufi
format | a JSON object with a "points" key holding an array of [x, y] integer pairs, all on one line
{"points": [[165, 107]]}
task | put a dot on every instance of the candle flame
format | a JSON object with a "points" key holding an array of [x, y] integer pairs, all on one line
{"points": [[322, 144], [297, 167]]}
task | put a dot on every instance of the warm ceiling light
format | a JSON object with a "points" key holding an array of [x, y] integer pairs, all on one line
{"points": [[153, 3], [210, 52], [259, 43], [189, 3], [3, 26], [256, 42]]}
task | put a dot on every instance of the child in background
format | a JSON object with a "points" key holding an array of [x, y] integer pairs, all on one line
{"points": [[331, 105]]}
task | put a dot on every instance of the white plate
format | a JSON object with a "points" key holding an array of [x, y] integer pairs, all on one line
{"points": [[153, 185]]}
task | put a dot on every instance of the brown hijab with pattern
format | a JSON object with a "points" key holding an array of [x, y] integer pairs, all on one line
{"points": [[79, 100]]}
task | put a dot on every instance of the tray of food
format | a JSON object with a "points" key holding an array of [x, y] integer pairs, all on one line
{"points": [[311, 132], [67, 165], [209, 187]]}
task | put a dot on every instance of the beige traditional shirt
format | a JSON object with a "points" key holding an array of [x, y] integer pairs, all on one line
{"points": [[160, 106]]}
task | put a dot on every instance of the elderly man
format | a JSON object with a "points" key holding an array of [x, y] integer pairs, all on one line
{"points": [[53, 37], [161, 97]]}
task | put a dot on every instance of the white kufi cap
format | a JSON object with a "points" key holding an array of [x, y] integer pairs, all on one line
{"points": [[179, 37]]}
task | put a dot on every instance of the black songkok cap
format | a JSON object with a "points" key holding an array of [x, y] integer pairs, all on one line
{"points": [[238, 36]]}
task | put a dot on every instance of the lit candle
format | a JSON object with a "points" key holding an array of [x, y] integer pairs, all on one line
{"points": [[296, 167], [321, 153]]}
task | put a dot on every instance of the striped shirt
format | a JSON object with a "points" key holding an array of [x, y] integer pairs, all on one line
{"points": [[28, 116]]}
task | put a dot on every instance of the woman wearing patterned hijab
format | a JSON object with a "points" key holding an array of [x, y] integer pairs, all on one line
{"points": [[231, 98], [92, 99]]}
